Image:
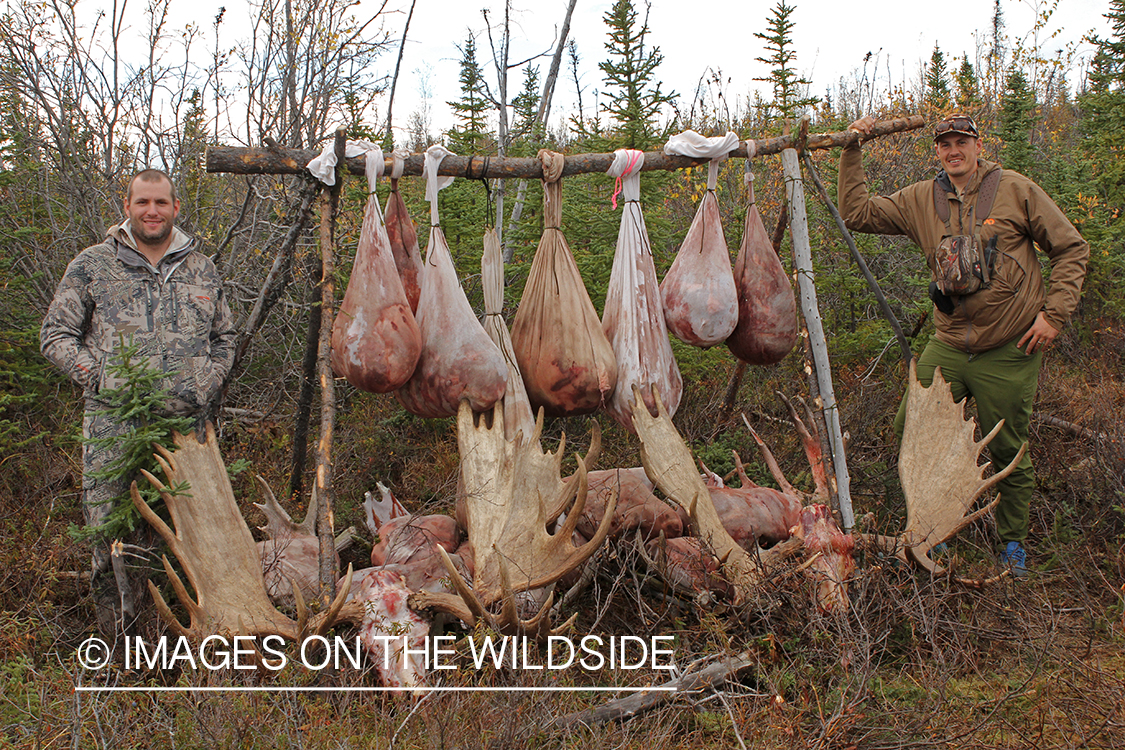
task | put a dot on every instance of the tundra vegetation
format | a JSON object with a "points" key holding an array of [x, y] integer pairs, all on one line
{"points": [[913, 660]]}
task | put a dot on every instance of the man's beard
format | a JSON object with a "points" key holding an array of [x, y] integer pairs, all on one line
{"points": [[144, 236]]}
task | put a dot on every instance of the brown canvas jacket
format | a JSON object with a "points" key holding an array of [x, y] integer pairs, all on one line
{"points": [[1022, 216], [175, 314]]}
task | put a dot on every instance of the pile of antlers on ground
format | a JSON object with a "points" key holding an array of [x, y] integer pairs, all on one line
{"points": [[527, 528]]}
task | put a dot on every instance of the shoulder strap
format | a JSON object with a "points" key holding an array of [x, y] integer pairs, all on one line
{"points": [[941, 202], [988, 187]]}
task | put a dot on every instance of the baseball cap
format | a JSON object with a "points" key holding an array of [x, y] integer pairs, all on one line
{"points": [[962, 124]]}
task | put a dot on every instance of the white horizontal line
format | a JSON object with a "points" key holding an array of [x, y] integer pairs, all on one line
{"points": [[450, 689]]}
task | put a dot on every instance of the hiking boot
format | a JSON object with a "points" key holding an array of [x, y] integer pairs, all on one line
{"points": [[1014, 558]]}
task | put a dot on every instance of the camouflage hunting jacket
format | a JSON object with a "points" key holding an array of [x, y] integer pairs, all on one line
{"points": [[1022, 217], [174, 314]]}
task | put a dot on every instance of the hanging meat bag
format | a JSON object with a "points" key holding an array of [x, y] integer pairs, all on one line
{"points": [[403, 237], [566, 360], [633, 320], [698, 292], [375, 340], [458, 359], [767, 309], [517, 408]]}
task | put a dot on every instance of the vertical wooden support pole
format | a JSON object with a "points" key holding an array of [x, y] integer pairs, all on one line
{"points": [[325, 521], [802, 252]]}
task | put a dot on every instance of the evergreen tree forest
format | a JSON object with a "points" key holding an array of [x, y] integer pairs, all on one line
{"points": [[916, 660]]}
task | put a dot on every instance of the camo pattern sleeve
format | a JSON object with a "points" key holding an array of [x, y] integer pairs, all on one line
{"points": [[62, 335]]}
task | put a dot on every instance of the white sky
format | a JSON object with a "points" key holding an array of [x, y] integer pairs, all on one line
{"points": [[830, 39], [720, 36]]}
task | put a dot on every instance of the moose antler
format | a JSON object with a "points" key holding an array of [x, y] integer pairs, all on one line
{"points": [[511, 488], [668, 463], [279, 524], [217, 552], [938, 469]]}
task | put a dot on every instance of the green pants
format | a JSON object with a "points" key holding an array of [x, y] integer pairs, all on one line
{"points": [[1003, 383]]}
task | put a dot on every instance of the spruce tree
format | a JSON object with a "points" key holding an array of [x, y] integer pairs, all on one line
{"points": [[470, 135], [1017, 118], [968, 88], [526, 132], [788, 103], [937, 81], [137, 403], [1103, 111], [635, 95]]}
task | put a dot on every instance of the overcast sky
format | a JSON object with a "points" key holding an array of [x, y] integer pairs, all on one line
{"points": [[830, 39]]}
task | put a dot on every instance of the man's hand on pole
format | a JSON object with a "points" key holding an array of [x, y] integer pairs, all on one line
{"points": [[863, 125]]}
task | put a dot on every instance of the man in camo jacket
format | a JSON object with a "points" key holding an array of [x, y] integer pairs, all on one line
{"points": [[146, 283]]}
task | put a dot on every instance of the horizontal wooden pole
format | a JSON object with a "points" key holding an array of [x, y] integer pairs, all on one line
{"points": [[236, 160]]}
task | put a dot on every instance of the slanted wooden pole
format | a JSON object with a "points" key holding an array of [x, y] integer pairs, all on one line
{"points": [[881, 298], [325, 521], [292, 161], [802, 253]]}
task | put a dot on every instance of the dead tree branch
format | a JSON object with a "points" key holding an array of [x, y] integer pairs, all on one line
{"points": [[626, 708], [292, 161]]}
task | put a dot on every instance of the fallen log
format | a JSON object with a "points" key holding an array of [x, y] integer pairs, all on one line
{"points": [[238, 160], [623, 709], [1074, 429]]}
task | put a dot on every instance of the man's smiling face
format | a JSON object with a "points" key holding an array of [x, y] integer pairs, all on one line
{"points": [[152, 211], [958, 154]]}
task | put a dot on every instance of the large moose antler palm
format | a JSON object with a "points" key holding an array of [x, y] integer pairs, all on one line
{"points": [[217, 552], [938, 468], [513, 491]]}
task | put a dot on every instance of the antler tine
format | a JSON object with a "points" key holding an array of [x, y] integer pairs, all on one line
{"points": [[771, 462], [149, 514], [509, 621], [332, 615], [165, 458], [577, 491], [165, 612], [468, 596], [659, 566], [267, 493], [595, 450], [741, 470], [583, 553], [810, 442], [308, 525], [537, 433], [539, 625], [274, 513], [566, 494], [639, 545], [566, 626]]}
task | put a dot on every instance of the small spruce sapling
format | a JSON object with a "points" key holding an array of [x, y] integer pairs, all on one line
{"points": [[139, 403]]}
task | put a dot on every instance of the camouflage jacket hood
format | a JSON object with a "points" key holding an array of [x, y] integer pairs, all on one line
{"points": [[175, 314]]}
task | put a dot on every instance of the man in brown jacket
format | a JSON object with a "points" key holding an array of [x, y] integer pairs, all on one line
{"points": [[990, 340]]}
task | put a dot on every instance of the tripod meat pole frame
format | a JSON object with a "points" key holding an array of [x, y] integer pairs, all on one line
{"points": [[237, 160]]}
